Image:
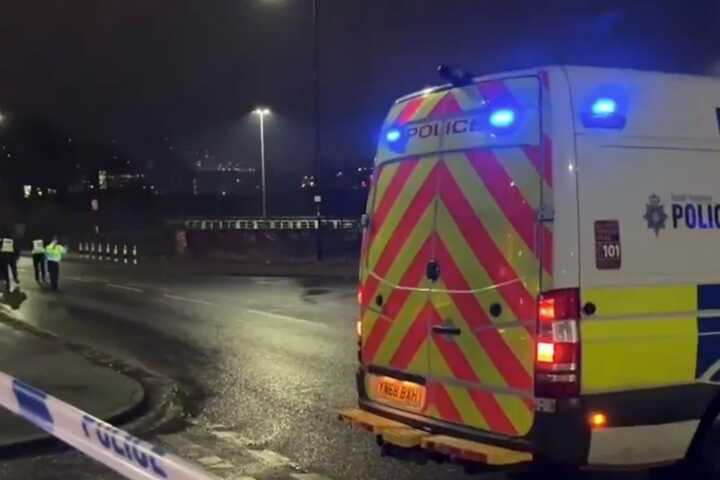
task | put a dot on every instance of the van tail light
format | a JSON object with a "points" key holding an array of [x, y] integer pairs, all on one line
{"points": [[557, 351], [358, 323]]}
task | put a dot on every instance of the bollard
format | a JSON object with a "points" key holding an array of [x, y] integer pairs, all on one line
{"points": [[115, 254], [107, 252], [125, 252], [134, 252], [92, 250]]}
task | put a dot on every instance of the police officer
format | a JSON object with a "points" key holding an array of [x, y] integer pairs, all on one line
{"points": [[8, 261], [38, 256], [53, 254]]}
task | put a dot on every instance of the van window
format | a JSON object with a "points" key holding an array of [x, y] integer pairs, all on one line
{"points": [[493, 113]]}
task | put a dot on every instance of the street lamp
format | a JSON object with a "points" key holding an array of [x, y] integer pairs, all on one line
{"points": [[262, 112]]}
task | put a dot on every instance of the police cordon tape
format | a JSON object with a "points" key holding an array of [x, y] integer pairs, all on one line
{"points": [[131, 457]]}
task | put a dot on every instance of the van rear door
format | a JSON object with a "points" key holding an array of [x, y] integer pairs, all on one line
{"points": [[454, 256], [492, 255], [398, 248]]}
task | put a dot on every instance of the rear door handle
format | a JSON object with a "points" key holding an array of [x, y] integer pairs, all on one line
{"points": [[446, 330]]}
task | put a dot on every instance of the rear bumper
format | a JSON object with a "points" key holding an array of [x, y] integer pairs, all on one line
{"points": [[562, 437], [401, 435], [647, 427]]}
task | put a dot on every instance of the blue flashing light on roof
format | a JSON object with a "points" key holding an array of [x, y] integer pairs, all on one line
{"points": [[502, 118], [604, 107], [606, 110], [393, 135]]}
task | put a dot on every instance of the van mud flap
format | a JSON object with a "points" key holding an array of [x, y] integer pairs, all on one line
{"points": [[398, 439]]}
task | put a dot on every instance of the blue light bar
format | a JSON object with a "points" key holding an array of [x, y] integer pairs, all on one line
{"points": [[604, 107], [502, 118], [393, 135], [606, 110]]}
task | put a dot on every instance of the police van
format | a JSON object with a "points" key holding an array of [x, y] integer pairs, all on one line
{"points": [[540, 276]]}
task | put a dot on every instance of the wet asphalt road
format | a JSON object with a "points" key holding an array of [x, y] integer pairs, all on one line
{"points": [[262, 365]]}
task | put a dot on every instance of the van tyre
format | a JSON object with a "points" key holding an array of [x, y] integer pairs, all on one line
{"points": [[706, 458], [556, 472]]}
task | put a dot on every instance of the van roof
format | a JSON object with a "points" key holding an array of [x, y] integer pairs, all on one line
{"points": [[660, 104], [570, 70]]}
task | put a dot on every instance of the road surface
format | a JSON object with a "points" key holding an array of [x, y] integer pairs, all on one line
{"points": [[261, 366]]}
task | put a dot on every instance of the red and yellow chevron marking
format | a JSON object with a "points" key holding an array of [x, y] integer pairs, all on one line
{"points": [[474, 212], [401, 227]]}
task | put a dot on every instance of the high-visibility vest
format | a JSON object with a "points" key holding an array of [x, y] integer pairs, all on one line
{"points": [[7, 246], [54, 252], [38, 246]]}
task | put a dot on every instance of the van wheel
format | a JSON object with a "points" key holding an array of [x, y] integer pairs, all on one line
{"points": [[706, 457]]}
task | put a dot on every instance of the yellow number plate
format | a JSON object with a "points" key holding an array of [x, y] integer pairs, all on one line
{"points": [[404, 394]]}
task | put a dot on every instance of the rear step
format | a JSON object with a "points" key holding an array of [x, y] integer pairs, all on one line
{"points": [[404, 436]]}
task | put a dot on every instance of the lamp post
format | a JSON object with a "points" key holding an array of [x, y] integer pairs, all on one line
{"points": [[316, 88], [262, 112]]}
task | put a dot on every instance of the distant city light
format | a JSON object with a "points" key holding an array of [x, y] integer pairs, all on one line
{"points": [[27, 190], [261, 111]]}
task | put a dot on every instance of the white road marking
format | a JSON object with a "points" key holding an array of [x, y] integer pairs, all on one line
{"points": [[209, 460], [232, 437], [308, 476], [276, 315], [80, 279], [271, 458], [215, 463], [124, 287], [188, 300]]}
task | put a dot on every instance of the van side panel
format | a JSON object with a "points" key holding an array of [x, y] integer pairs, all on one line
{"points": [[558, 125], [644, 332], [650, 330]]}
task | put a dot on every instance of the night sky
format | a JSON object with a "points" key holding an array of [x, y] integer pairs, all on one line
{"points": [[139, 71]]}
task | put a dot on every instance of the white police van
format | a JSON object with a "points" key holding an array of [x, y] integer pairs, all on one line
{"points": [[540, 276]]}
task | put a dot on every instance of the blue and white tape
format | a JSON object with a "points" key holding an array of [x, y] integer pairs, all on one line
{"points": [[131, 457]]}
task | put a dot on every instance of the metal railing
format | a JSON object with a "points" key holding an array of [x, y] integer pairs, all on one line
{"points": [[270, 224]]}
